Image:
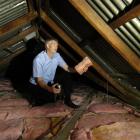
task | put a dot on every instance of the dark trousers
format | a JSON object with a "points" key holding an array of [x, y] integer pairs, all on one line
{"points": [[39, 96]]}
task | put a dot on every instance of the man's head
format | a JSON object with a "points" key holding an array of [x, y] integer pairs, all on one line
{"points": [[51, 45]]}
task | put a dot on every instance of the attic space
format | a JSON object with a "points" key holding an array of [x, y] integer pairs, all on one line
{"points": [[69, 69]]}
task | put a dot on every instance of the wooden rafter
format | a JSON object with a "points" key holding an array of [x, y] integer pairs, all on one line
{"points": [[30, 5], [107, 33], [130, 97], [133, 13], [18, 37], [14, 25], [14, 40]]}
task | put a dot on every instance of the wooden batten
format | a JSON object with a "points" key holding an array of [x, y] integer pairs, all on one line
{"points": [[99, 69], [133, 13], [30, 5], [107, 33], [18, 37], [14, 25], [14, 40]]}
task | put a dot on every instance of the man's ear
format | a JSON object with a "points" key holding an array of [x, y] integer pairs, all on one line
{"points": [[47, 46]]}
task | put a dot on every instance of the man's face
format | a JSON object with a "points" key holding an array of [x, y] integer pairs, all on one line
{"points": [[52, 46]]}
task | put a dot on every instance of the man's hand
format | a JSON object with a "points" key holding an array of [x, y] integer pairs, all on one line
{"points": [[51, 89], [55, 89]]}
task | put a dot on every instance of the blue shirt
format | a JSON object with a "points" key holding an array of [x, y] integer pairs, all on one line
{"points": [[45, 67]]}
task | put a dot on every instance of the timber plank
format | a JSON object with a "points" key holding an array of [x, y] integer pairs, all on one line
{"points": [[15, 24]]}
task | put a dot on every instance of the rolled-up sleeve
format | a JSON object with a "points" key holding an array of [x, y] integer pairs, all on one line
{"points": [[61, 61]]}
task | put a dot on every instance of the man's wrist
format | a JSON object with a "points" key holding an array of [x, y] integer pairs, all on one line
{"points": [[72, 70], [49, 88]]}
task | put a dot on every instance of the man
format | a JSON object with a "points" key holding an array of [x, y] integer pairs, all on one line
{"points": [[45, 80]]}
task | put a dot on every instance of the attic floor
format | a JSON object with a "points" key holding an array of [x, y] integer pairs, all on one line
{"points": [[100, 117]]}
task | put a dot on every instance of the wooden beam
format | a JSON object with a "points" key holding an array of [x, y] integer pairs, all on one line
{"points": [[38, 3], [107, 33], [18, 37], [30, 5], [64, 133], [133, 13], [125, 94], [14, 25], [13, 40]]}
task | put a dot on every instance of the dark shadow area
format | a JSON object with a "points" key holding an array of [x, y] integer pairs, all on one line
{"points": [[20, 68]]}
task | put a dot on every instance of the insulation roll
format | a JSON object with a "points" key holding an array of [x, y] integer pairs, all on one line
{"points": [[104, 8], [111, 6], [132, 29], [127, 41], [98, 10], [120, 4], [136, 23], [128, 34]]}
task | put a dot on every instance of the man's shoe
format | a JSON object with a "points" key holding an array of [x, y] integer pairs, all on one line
{"points": [[71, 104]]}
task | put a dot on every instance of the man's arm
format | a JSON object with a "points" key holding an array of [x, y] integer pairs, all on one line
{"points": [[69, 69], [43, 85]]}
